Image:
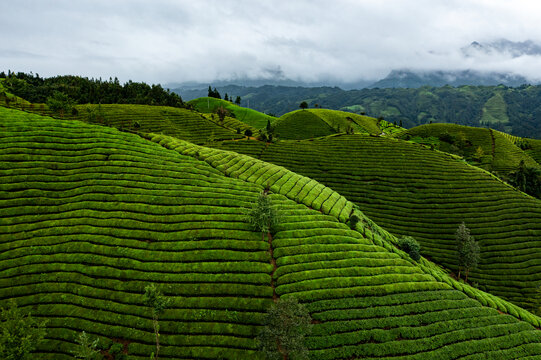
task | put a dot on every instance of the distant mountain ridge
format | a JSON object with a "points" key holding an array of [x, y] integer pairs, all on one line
{"points": [[503, 46], [416, 79]]}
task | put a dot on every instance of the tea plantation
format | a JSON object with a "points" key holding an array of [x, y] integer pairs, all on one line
{"points": [[307, 124], [411, 190], [245, 115], [91, 215], [496, 150]]}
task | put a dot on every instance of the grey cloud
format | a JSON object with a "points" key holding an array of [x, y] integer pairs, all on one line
{"points": [[343, 40]]}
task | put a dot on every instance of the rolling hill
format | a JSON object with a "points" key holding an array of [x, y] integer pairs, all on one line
{"points": [[91, 215], [499, 152], [248, 116], [311, 123], [409, 189]]}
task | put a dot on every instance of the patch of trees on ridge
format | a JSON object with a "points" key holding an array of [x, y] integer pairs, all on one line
{"points": [[83, 90]]}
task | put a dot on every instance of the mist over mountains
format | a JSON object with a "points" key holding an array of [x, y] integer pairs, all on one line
{"points": [[473, 71]]}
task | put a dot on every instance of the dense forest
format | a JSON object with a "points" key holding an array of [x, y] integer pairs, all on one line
{"points": [[516, 110], [82, 90]]}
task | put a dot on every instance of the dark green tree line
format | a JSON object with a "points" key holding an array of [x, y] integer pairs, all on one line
{"points": [[83, 90]]}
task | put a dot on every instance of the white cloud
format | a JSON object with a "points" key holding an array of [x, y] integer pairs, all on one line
{"points": [[171, 41]]}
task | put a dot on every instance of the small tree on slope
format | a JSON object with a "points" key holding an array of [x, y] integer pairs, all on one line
{"points": [[467, 250], [263, 216], [285, 326], [154, 299], [19, 333]]}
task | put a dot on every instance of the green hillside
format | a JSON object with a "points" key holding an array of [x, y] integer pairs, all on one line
{"points": [[306, 124], [302, 124], [498, 151], [411, 190], [494, 111], [91, 215], [181, 123], [248, 116]]}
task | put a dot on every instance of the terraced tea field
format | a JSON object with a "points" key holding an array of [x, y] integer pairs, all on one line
{"points": [[245, 115], [409, 189], [91, 215], [311, 123], [500, 152], [367, 301]]}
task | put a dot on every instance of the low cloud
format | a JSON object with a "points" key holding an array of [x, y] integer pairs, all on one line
{"points": [[343, 41]]}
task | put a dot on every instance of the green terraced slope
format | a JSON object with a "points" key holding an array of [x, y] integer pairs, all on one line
{"points": [[499, 151], [91, 215], [494, 111], [411, 190], [311, 123], [248, 116], [181, 123], [301, 124]]}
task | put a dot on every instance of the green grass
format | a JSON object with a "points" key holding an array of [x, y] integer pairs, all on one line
{"points": [[248, 116]]}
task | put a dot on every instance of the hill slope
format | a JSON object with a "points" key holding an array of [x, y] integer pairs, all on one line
{"points": [[307, 124], [499, 153], [411, 190], [248, 116], [91, 215]]}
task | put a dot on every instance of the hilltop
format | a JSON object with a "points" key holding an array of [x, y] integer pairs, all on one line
{"points": [[248, 116], [311, 123]]}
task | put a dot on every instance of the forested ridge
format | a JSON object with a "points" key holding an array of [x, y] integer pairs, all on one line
{"points": [[83, 90]]}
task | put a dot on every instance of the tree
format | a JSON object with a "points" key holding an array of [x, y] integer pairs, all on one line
{"points": [[237, 100], [479, 153], [19, 333], [303, 105], [87, 349], [285, 326], [226, 97], [411, 246], [353, 221], [526, 180], [222, 112], [59, 102], [263, 216], [467, 250], [154, 299]]}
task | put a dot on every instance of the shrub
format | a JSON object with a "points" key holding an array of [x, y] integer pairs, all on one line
{"points": [[411, 246], [20, 333], [448, 138], [285, 327], [353, 220]]}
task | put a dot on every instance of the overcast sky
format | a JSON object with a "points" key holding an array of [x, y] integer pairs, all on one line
{"points": [[311, 40]]}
